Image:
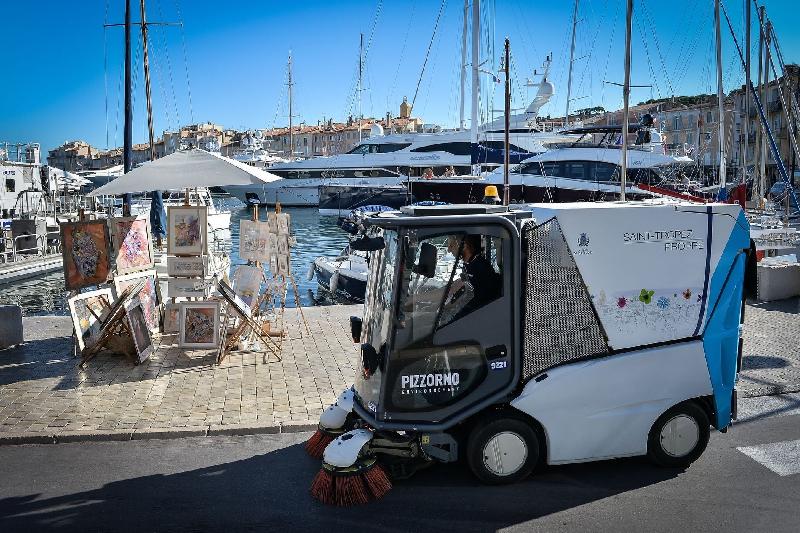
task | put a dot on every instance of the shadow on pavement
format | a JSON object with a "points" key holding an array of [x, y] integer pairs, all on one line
{"points": [[764, 361], [271, 492]]}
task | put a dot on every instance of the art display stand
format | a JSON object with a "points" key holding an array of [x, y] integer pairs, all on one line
{"points": [[115, 334]]}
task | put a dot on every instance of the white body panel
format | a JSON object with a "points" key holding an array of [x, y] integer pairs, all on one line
{"points": [[604, 408], [600, 234]]}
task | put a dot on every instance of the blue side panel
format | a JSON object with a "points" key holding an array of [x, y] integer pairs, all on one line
{"points": [[721, 335]]}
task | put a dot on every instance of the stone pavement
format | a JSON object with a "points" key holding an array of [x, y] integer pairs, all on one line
{"points": [[46, 397]]}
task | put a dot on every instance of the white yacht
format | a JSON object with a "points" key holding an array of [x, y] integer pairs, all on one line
{"points": [[582, 170], [392, 160], [253, 152]]}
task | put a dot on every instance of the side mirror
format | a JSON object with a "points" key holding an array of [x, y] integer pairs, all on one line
{"points": [[427, 260], [355, 328], [368, 244]]}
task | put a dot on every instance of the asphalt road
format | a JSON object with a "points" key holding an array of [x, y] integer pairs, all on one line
{"points": [[261, 483]]}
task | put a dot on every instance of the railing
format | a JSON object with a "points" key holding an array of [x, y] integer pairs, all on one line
{"points": [[11, 251]]}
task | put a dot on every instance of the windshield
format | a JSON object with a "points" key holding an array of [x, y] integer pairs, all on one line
{"points": [[377, 318]]}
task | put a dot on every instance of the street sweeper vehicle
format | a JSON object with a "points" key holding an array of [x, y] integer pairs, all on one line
{"points": [[549, 334]]}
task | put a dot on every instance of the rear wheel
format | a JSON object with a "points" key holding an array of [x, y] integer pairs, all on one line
{"points": [[679, 436], [502, 450]]}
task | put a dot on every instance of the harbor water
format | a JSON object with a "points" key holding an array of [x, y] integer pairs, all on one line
{"points": [[316, 235]]}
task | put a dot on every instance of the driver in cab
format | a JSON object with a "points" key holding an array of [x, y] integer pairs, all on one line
{"points": [[478, 276]]}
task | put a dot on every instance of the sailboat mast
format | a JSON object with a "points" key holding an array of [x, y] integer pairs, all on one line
{"points": [[626, 94], [507, 128], [291, 130], [571, 59], [476, 64], [746, 119], [360, 77], [461, 124], [127, 148], [764, 97], [720, 99], [150, 133]]}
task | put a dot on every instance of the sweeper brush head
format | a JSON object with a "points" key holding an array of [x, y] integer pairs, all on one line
{"points": [[358, 484], [316, 445]]}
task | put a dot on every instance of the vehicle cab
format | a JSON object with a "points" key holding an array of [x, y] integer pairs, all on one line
{"points": [[439, 341]]}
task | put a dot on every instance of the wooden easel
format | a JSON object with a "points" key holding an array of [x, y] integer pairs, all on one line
{"points": [[115, 335]]}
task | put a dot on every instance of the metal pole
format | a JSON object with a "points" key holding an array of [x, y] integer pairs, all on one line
{"points": [[626, 93], [507, 142], [476, 63], [360, 74], [746, 90], [291, 131], [765, 100], [720, 99], [571, 59], [461, 123], [147, 82], [127, 149]]}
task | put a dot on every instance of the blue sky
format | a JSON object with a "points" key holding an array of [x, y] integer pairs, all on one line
{"points": [[62, 70]]}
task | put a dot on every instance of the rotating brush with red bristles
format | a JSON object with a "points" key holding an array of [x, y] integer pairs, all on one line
{"points": [[358, 484], [316, 445]]}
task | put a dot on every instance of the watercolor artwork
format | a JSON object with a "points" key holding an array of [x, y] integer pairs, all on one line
{"points": [[137, 324], [272, 222], [88, 310], [253, 240], [187, 288], [133, 249], [85, 253], [199, 325], [283, 223], [148, 296], [186, 230], [187, 266], [247, 283]]}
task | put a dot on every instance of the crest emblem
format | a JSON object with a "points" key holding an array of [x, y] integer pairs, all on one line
{"points": [[583, 240]]}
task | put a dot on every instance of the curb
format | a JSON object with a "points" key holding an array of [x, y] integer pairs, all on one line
{"points": [[122, 435]]}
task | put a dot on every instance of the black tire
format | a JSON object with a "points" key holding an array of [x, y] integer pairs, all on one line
{"points": [[514, 439], [679, 436]]}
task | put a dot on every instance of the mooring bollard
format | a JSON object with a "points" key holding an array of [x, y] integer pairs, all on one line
{"points": [[10, 326]]}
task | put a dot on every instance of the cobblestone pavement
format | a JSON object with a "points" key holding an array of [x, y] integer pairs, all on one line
{"points": [[43, 393]]}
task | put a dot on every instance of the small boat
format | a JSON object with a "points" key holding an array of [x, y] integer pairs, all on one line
{"points": [[344, 276]]}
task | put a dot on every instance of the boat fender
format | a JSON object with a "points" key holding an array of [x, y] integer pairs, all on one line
{"points": [[334, 283], [344, 450], [311, 271]]}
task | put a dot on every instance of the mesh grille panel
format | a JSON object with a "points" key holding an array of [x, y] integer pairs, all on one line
{"points": [[559, 323]]}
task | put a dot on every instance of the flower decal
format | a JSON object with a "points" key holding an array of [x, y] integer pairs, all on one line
{"points": [[663, 303], [646, 296], [621, 302], [687, 294]]}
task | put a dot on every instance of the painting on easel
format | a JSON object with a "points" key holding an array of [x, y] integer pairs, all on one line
{"points": [[86, 255], [88, 310], [186, 230], [253, 240], [198, 325], [247, 283], [148, 296], [133, 249], [137, 324]]}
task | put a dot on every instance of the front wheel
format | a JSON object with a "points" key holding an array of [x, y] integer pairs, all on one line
{"points": [[679, 436], [503, 450]]}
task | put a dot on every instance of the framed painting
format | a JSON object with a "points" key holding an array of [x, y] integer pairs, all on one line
{"points": [[149, 295], [88, 311], [187, 288], [253, 240], [198, 325], [186, 230], [284, 265], [133, 248], [283, 222], [140, 330], [247, 283], [188, 267], [283, 245], [272, 222], [273, 264], [170, 317], [233, 299], [86, 253]]}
